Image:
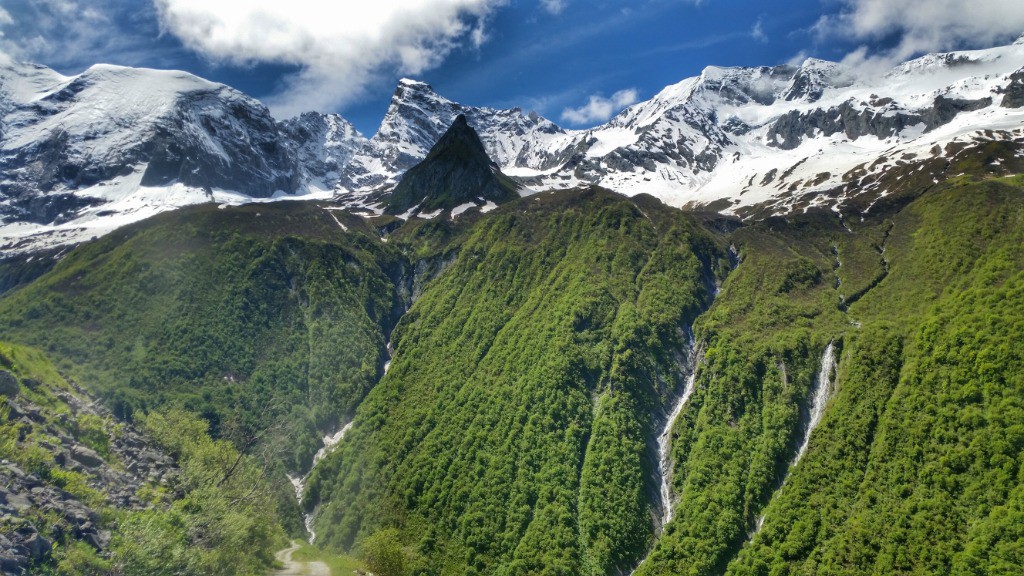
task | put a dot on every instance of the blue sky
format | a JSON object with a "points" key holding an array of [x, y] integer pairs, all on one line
{"points": [[573, 61]]}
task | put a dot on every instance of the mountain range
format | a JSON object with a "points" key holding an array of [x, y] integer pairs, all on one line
{"points": [[765, 323], [83, 155]]}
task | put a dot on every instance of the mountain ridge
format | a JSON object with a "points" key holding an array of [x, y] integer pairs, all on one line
{"points": [[753, 142]]}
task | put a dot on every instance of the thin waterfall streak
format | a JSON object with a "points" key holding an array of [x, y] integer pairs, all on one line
{"points": [[665, 438], [299, 482], [692, 362], [824, 388]]}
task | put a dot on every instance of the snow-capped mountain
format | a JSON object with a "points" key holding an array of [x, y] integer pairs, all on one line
{"points": [[418, 116], [325, 146], [755, 141], [82, 155]]}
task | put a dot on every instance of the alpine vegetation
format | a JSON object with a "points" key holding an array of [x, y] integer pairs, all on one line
{"points": [[766, 322]]}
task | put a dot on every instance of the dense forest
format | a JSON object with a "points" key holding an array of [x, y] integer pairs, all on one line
{"points": [[507, 375]]}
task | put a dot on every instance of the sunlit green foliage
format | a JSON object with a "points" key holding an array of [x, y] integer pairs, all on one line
{"points": [[917, 466], [514, 431], [225, 524], [510, 434]]}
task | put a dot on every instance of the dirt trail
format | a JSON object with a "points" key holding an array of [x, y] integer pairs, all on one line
{"points": [[295, 568]]}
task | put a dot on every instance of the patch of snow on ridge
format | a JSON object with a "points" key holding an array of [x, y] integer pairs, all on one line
{"points": [[126, 201], [609, 140], [462, 208]]}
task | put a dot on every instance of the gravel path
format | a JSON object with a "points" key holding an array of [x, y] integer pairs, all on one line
{"points": [[294, 568]]}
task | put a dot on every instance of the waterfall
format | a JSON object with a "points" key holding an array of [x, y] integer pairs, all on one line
{"points": [[665, 438], [690, 363], [330, 441], [824, 387], [391, 356]]}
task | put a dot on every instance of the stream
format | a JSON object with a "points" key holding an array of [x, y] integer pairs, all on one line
{"points": [[299, 483], [691, 363], [665, 438]]}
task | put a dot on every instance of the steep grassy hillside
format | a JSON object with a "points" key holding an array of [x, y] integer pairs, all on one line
{"points": [[915, 467], [244, 315], [513, 432]]}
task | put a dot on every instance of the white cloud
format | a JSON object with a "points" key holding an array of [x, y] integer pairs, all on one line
{"points": [[74, 34], [757, 32], [554, 6], [340, 47], [920, 26], [600, 109]]}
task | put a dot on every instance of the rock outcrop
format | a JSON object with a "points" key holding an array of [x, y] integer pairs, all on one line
{"points": [[82, 461]]}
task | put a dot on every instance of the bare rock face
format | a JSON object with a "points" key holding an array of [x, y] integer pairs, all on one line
{"points": [[86, 457], [1013, 96], [858, 119]]}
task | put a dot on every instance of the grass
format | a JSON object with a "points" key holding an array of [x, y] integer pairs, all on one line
{"points": [[340, 564]]}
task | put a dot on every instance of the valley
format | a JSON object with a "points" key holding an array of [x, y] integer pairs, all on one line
{"points": [[477, 343]]}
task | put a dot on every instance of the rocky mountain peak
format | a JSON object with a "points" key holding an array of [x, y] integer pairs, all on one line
{"points": [[460, 137], [416, 85], [456, 171], [813, 77]]}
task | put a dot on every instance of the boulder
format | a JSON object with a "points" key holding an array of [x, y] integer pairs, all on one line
{"points": [[12, 564], [86, 456], [38, 547], [9, 384]]}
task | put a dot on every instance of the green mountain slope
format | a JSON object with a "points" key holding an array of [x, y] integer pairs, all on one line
{"points": [[81, 493], [511, 433], [538, 350], [918, 468], [916, 465], [237, 314]]}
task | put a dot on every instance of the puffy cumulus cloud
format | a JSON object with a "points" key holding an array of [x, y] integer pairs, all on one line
{"points": [[920, 26], [339, 47], [600, 109]]}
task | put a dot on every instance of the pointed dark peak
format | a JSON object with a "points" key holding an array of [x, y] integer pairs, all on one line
{"points": [[460, 138], [457, 171]]}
